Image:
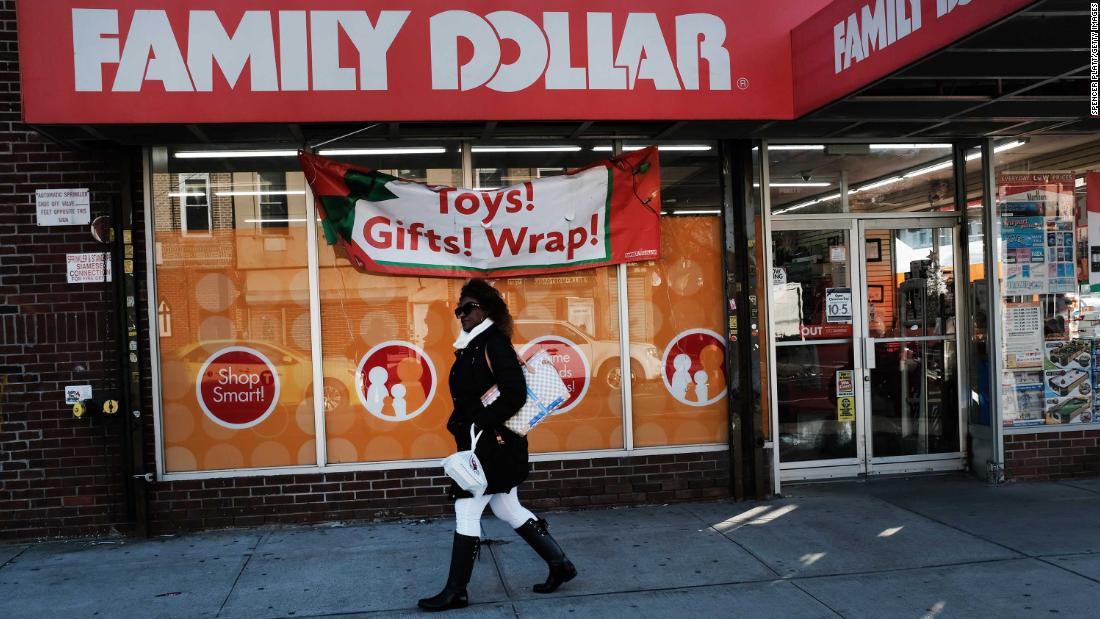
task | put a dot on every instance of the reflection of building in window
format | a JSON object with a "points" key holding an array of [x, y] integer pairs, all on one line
{"points": [[918, 238], [194, 195], [273, 209], [164, 319], [489, 178], [581, 314]]}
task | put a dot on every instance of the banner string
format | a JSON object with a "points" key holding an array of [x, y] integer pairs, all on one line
{"points": [[346, 135]]}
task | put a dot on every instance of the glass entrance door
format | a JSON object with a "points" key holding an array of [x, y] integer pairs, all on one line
{"points": [[910, 346], [815, 319], [863, 320]]}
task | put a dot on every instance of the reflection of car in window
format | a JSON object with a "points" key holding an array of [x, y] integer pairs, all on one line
{"points": [[295, 370], [603, 355]]}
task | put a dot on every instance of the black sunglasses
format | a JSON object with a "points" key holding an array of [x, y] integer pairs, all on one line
{"points": [[466, 308]]}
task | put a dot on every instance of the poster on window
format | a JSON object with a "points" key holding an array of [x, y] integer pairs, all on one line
{"points": [[1037, 232], [1092, 200], [1067, 381], [1023, 398], [1023, 336]]}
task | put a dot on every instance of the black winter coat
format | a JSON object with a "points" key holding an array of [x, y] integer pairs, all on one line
{"points": [[503, 453]]}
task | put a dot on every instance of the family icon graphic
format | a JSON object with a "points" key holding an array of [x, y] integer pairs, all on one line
{"points": [[697, 367], [396, 381]]}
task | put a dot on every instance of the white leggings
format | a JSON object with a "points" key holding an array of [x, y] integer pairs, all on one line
{"points": [[504, 506]]}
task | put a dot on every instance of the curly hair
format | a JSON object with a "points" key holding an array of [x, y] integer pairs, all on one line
{"points": [[491, 301]]}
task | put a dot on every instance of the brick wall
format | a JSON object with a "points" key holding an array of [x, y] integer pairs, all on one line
{"points": [[421, 493], [1052, 455]]}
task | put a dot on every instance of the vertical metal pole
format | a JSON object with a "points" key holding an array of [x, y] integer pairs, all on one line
{"points": [[746, 436], [773, 398], [125, 288], [843, 182], [993, 332], [316, 340], [467, 164], [733, 284], [625, 383], [148, 170], [964, 321]]}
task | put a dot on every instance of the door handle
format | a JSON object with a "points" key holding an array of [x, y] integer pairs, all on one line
{"points": [[869, 353]]}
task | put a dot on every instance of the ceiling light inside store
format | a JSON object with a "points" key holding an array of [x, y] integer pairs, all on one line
{"points": [[295, 192], [808, 203], [1000, 148], [233, 154], [875, 185], [698, 212], [665, 147], [186, 194], [796, 147], [943, 165], [795, 184], [525, 149], [417, 150], [910, 147]]}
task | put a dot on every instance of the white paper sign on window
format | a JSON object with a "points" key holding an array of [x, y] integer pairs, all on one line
{"points": [[838, 305]]}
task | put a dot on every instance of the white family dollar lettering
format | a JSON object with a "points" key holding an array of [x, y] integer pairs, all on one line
{"points": [[305, 54]]}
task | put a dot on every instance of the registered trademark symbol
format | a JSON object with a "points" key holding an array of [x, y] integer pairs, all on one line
{"points": [[743, 83]]}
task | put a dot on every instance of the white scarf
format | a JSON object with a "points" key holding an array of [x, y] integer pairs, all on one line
{"points": [[465, 338]]}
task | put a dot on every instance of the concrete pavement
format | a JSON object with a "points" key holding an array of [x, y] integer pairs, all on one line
{"points": [[926, 547]]}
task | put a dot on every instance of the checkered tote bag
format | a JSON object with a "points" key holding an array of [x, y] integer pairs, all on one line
{"points": [[545, 392]]}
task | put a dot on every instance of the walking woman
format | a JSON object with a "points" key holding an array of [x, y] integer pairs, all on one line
{"points": [[484, 357]]}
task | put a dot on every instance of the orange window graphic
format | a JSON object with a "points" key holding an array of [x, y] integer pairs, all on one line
{"points": [[233, 321], [235, 335], [676, 318]]}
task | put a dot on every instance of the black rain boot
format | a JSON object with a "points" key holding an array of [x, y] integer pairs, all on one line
{"points": [[453, 595], [537, 534]]}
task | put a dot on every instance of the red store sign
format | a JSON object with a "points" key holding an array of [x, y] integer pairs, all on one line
{"points": [[145, 61], [184, 61], [852, 43]]}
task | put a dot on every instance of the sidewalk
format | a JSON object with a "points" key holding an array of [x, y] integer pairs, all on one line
{"points": [[939, 546]]}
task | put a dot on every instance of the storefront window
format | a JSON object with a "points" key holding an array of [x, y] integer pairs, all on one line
{"points": [[233, 309], [386, 342], [1048, 307], [235, 302], [677, 310], [873, 178], [572, 316]]}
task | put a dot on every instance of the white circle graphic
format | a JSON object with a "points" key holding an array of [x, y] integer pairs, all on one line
{"points": [[215, 418], [584, 360], [371, 408], [664, 365]]}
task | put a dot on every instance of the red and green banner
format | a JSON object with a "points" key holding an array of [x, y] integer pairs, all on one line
{"points": [[604, 213]]}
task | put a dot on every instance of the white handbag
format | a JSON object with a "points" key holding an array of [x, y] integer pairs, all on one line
{"points": [[466, 469], [545, 392]]}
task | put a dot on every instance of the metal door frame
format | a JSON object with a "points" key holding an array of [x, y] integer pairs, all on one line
{"points": [[865, 463], [838, 467], [884, 465]]}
